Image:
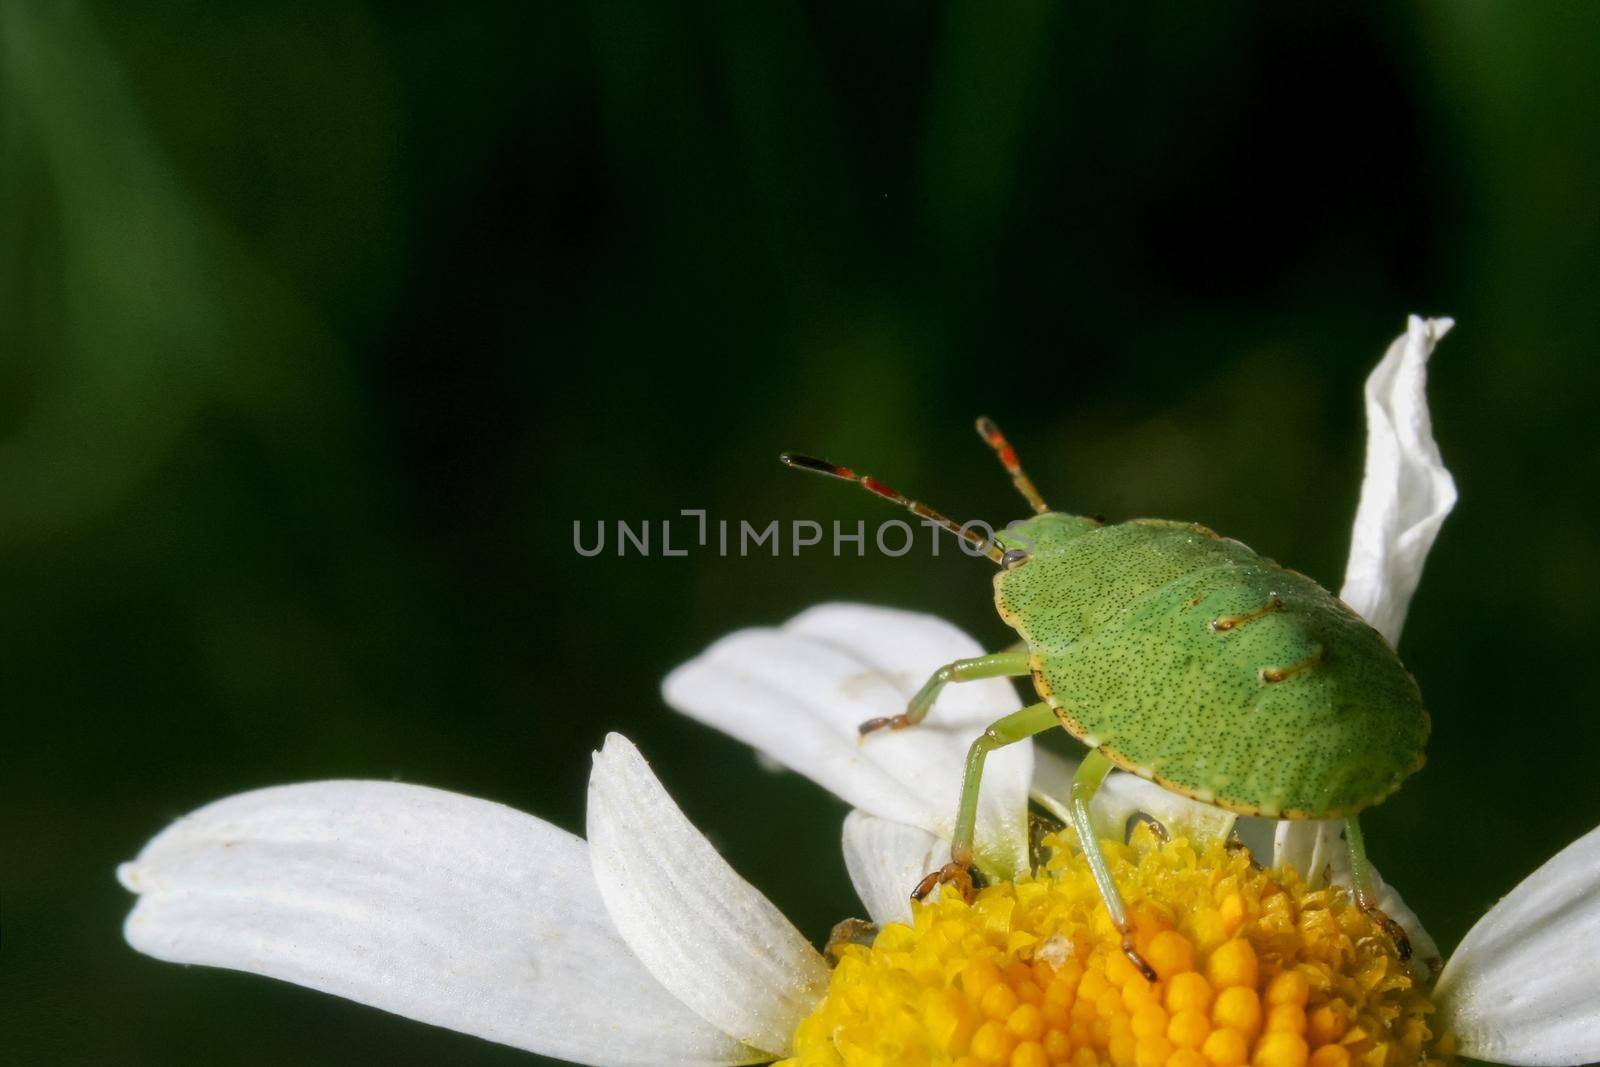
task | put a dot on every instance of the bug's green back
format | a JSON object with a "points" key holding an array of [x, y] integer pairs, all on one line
{"points": [[1298, 709]]}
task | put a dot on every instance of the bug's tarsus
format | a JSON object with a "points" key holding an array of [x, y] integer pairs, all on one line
{"points": [[886, 722], [821, 466], [953, 874], [1156, 827], [1396, 932], [1137, 960], [1008, 459]]}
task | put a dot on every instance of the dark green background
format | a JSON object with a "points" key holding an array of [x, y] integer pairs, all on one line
{"points": [[321, 323]]}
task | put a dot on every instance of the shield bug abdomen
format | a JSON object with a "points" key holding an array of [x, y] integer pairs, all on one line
{"points": [[1190, 660]]}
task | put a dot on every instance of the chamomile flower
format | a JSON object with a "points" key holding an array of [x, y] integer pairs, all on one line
{"points": [[1523, 987], [642, 946]]}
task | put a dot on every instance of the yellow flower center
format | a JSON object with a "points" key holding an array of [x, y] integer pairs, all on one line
{"points": [[1253, 967]]}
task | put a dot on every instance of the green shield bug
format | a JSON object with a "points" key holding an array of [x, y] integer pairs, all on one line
{"points": [[1183, 657]]}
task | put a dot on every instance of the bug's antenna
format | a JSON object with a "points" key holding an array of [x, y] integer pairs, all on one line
{"points": [[872, 485], [1008, 459]]}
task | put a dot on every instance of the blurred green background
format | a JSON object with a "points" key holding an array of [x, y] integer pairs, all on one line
{"points": [[321, 323]]}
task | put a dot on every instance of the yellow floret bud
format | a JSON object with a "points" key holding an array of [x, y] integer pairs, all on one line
{"points": [[1026, 1022], [999, 1001], [1281, 1050], [1189, 990], [1119, 969], [1285, 1018], [1189, 1028], [1149, 1020], [1057, 1045], [1226, 1047], [1330, 1056], [1186, 1057], [1170, 953], [1289, 987], [1029, 1054], [992, 1043], [1233, 964], [1152, 1052], [1238, 1007], [1138, 991]]}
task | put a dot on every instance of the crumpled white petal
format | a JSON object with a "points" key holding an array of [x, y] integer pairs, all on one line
{"points": [[1406, 491], [798, 693], [1523, 987], [886, 860], [454, 911], [704, 932], [1316, 848], [1405, 495]]}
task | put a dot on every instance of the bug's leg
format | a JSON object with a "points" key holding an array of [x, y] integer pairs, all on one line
{"points": [[1036, 718], [1012, 663], [1085, 783], [1366, 896]]}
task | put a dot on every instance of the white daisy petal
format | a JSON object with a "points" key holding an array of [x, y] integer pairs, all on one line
{"points": [[1406, 492], [886, 860], [1122, 795], [1052, 781], [1523, 987], [705, 933], [454, 911], [800, 692]]}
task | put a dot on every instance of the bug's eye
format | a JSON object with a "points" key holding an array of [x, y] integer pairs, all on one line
{"points": [[1013, 557]]}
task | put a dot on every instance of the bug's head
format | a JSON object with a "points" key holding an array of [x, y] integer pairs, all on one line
{"points": [[1041, 533]]}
